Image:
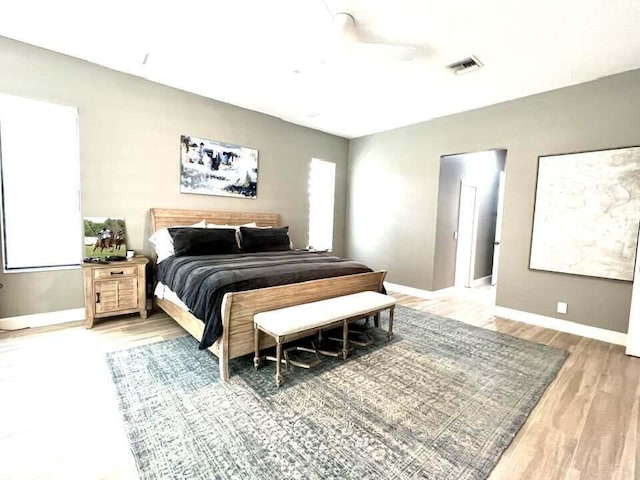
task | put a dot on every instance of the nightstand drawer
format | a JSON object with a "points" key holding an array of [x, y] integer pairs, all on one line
{"points": [[115, 272]]}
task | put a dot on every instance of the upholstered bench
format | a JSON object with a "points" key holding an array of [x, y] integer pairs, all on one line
{"points": [[298, 321]]}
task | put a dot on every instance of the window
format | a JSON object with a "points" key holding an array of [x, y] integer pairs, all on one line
{"points": [[322, 182], [40, 184]]}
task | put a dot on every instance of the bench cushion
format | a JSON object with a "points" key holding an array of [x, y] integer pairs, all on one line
{"points": [[290, 320]]}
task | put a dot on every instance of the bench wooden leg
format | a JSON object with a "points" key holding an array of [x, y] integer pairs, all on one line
{"points": [[345, 339], [279, 377], [390, 333], [256, 344], [376, 320]]}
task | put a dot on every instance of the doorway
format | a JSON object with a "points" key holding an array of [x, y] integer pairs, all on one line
{"points": [[468, 226]]}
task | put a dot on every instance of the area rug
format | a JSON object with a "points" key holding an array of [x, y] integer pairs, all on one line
{"points": [[442, 400]]}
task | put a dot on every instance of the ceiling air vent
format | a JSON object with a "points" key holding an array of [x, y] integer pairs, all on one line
{"points": [[465, 65]]}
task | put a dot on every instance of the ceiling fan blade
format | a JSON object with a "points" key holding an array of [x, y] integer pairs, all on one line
{"points": [[384, 52], [343, 46], [347, 38], [345, 27]]}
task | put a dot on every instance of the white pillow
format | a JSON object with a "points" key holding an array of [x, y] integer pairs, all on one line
{"points": [[237, 228], [163, 242]]}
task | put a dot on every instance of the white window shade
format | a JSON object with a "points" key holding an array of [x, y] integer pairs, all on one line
{"points": [[322, 180], [41, 219]]}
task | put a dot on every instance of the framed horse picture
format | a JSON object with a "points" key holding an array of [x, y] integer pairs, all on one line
{"points": [[208, 167], [104, 237]]}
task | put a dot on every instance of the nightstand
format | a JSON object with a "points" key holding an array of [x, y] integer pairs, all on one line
{"points": [[115, 289]]}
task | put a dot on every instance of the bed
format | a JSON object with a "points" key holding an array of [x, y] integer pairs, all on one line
{"points": [[237, 308]]}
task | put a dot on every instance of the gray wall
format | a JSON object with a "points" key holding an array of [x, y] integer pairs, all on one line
{"points": [[129, 146], [453, 169], [393, 194]]}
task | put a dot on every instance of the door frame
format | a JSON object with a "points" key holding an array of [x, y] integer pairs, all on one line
{"points": [[498, 236], [466, 254]]}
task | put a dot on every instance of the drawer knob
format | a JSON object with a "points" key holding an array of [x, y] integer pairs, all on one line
{"points": [[117, 273], [98, 297]]}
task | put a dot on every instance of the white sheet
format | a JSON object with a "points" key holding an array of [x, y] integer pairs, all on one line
{"points": [[165, 293]]}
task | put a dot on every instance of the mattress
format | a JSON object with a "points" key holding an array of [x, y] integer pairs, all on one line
{"points": [[165, 293]]}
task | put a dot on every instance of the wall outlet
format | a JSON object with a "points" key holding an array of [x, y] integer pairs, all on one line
{"points": [[562, 307]]}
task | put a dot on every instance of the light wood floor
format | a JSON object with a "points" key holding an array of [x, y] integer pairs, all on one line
{"points": [[59, 417]]}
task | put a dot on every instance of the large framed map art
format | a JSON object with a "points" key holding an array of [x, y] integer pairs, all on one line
{"points": [[587, 212]]}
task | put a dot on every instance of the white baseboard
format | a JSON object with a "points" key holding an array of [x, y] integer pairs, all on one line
{"points": [[561, 325], [479, 282], [42, 319], [417, 292]]}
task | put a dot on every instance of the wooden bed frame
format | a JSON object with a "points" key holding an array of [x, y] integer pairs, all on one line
{"points": [[239, 308]]}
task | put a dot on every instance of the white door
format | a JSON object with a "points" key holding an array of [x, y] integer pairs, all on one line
{"points": [[633, 336], [496, 243], [466, 235]]}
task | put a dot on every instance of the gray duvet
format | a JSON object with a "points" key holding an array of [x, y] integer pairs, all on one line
{"points": [[201, 282]]}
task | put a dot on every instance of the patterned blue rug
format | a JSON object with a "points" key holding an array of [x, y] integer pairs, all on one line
{"points": [[442, 400]]}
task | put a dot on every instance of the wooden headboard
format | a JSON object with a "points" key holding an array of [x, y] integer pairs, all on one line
{"points": [[165, 218]]}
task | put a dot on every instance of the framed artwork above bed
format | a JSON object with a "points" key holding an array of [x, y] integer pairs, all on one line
{"points": [[208, 167]]}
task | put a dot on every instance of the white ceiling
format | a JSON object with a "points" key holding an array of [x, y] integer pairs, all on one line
{"points": [[245, 52]]}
